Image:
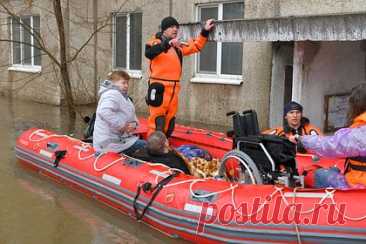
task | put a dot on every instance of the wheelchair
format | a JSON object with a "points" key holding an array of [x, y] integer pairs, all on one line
{"points": [[257, 158]]}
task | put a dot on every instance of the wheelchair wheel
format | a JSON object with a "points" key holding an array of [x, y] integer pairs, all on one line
{"points": [[237, 166]]}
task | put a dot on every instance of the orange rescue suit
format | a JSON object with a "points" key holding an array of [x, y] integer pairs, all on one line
{"points": [[165, 73], [356, 167], [307, 129]]}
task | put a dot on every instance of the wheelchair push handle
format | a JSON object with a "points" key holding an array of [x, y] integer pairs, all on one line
{"points": [[231, 113]]}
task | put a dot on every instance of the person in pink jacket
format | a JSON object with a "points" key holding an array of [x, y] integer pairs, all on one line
{"points": [[349, 143]]}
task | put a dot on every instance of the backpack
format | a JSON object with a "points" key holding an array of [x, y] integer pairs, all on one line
{"points": [[88, 132]]}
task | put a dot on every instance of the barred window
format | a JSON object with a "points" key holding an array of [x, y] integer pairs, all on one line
{"points": [[127, 38], [25, 48], [221, 58]]}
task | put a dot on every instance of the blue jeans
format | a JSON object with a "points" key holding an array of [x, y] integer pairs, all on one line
{"points": [[136, 146]]}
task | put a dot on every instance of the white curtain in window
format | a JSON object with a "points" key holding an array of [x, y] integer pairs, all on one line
{"points": [[120, 41], [25, 51]]}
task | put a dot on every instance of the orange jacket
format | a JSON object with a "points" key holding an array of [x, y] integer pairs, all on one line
{"points": [[306, 129], [166, 61], [356, 167], [359, 120]]}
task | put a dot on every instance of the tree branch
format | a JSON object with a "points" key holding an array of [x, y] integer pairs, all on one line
{"points": [[95, 32], [33, 33]]}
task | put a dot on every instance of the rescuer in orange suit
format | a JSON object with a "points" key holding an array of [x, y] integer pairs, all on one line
{"points": [[165, 52], [294, 124]]}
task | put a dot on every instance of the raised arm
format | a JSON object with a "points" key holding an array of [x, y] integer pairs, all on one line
{"points": [[196, 45]]}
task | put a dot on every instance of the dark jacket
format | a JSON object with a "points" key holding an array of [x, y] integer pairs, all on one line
{"points": [[171, 159]]}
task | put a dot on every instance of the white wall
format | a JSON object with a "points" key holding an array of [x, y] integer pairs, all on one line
{"points": [[335, 68]]}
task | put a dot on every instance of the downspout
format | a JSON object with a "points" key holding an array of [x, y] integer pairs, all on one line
{"points": [[170, 7], [67, 35], [95, 26]]}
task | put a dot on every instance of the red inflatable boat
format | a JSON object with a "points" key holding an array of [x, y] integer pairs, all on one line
{"points": [[199, 210]]}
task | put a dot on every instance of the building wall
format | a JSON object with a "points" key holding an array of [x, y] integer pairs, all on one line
{"points": [[335, 68], [319, 7], [282, 56], [218, 99], [41, 87]]}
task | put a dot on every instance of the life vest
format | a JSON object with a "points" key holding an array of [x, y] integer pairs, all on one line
{"points": [[356, 166], [305, 129]]}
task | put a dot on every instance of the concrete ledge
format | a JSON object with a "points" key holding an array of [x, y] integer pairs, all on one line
{"points": [[28, 69], [346, 27], [218, 80]]}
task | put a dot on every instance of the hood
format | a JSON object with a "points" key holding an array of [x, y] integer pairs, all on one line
{"points": [[108, 85]]}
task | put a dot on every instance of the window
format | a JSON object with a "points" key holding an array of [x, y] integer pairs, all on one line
{"points": [[24, 45], [127, 36], [220, 59]]}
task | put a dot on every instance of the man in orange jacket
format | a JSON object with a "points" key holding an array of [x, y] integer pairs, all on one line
{"points": [[165, 52], [294, 124]]}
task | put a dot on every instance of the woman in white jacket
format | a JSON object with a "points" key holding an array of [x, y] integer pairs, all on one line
{"points": [[116, 119]]}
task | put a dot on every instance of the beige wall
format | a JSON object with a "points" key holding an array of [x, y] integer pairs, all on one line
{"points": [[209, 103], [333, 68], [253, 93], [319, 7], [41, 87]]}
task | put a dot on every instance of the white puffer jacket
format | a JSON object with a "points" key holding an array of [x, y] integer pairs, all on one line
{"points": [[114, 111]]}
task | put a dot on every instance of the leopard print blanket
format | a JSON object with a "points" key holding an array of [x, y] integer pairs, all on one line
{"points": [[202, 168]]}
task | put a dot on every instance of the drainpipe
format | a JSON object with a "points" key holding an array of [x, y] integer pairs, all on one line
{"points": [[170, 7], [95, 54], [298, 71], [67, 38]]}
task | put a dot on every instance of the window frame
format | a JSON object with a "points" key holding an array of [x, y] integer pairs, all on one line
{"points": [[217, 78], [32, 68], [134, 73]]}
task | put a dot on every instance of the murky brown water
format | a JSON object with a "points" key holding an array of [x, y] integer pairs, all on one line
{"points": [[35, 210]]}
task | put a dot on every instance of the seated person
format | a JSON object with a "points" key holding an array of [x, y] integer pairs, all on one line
{"points": [[347, 143], [158, 150], [294, 123], [116, 120]]}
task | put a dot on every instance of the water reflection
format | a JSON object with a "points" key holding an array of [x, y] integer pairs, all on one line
{"points": [[35, 210]]}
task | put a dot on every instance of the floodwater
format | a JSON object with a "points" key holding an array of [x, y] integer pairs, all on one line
{"points": [[33, 209]]}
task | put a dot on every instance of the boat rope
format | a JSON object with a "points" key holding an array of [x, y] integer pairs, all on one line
{"points": [[298, 233], [267, 200], [329, 192], [85, 147], [44, 136], [147, 187]]}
